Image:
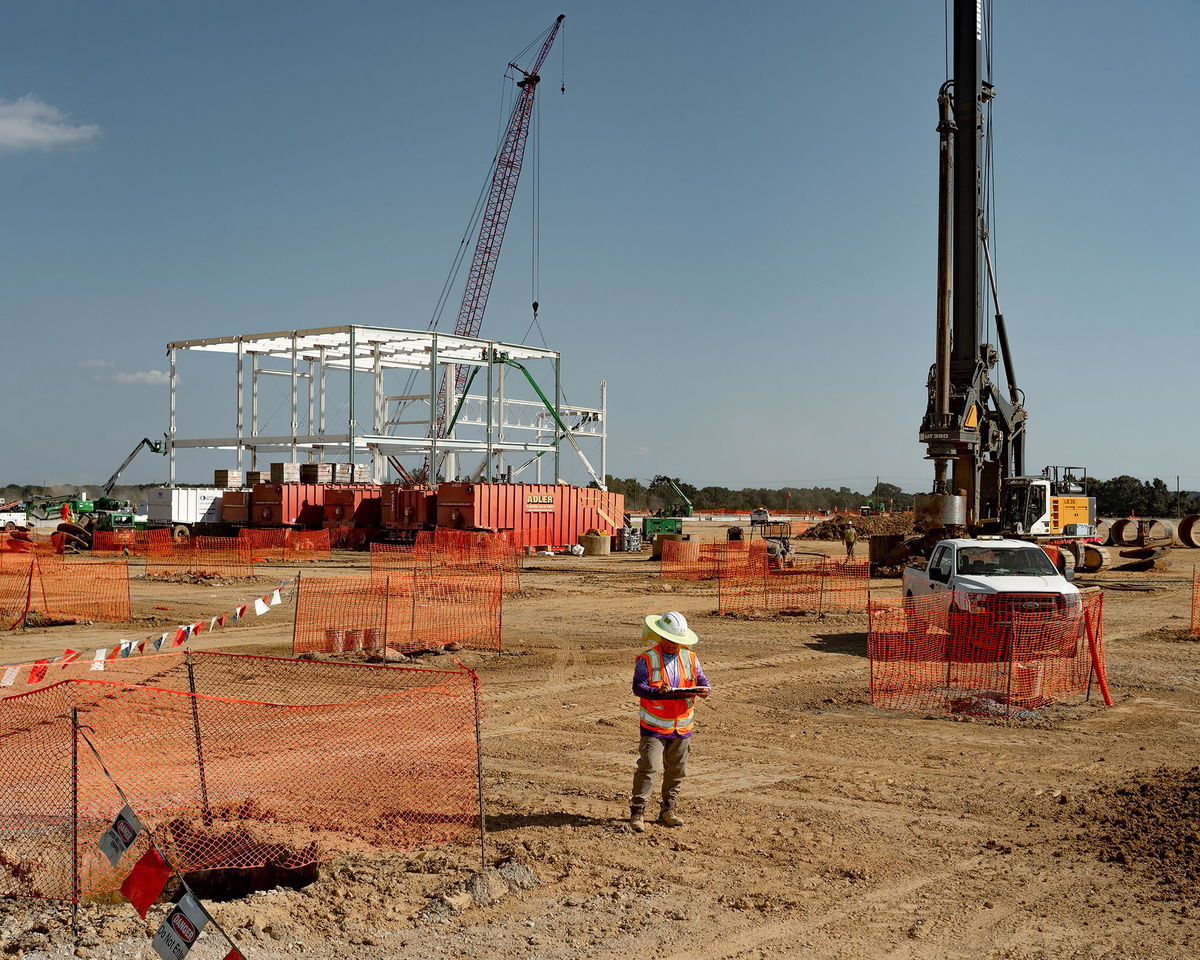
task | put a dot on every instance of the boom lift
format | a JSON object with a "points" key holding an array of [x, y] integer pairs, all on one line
{"points": [[669, 518], [973, 432]]}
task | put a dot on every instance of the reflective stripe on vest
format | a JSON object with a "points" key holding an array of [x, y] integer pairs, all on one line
{"points": [[668, 716]]}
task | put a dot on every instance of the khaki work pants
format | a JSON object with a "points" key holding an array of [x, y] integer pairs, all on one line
{"points": [[666, 758]]}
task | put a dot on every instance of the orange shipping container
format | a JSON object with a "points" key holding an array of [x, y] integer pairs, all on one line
{"points": [[547, 513], [293, 504], [357, 507]]}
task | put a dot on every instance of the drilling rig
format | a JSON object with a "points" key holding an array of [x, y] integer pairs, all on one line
{"points": [[973, 431]]}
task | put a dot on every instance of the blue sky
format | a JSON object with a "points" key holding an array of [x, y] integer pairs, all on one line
{"points": [[738, 217]]}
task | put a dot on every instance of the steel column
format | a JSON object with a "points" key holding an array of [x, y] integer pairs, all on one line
{"points": [[604, 431], [500, 417], [295, 413], [254, 409], [321, 402], [558, 414], [311, 398], [489, 438], [171, 418], [350, 424], [433, 412], [377, 429], [241, 403]]}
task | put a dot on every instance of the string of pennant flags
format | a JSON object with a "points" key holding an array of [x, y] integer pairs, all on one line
{"points": [[167, 640]]}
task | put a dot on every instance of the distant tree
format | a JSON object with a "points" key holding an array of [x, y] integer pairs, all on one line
{"points": [[1119, 497]]}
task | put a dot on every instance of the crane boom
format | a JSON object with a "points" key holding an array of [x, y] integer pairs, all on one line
{"points": [[506, 171]]}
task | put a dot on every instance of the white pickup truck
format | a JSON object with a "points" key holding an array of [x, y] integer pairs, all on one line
{"points": [[993, 566], [11, 519]]}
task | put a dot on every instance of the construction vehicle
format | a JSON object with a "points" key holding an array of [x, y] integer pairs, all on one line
{"points": [[12, 516], [668, 519], [778, 535], [973, 431], [85, 515]]}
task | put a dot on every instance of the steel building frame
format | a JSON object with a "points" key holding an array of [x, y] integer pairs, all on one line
{"points": [[490, 424]]}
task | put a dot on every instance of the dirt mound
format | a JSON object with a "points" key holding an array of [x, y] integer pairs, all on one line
{"points": [[834, 527], [1153, 826]]}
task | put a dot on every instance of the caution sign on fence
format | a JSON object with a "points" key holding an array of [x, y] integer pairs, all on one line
{"points": [[180, 930], [120, 836]]}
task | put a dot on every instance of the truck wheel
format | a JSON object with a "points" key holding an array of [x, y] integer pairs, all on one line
{"points": [[10, 527], [180, 533]]}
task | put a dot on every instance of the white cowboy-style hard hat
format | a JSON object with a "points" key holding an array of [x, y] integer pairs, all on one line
{"points": [[672, 626]]}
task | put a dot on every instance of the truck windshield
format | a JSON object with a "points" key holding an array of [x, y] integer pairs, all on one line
{"points": [[1021, 562]]}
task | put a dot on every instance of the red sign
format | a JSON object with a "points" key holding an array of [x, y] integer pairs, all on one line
{"points": [[183, 927]]}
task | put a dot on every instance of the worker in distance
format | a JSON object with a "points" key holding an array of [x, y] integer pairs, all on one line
{"points": [[667, 678]]}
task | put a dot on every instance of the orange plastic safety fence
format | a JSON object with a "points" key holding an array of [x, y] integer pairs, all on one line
{"points": [[43, 582], [985, 655], [133, 543], [206, 557], [419, 609], [285, 545], [1195, 604], [395, 558], [454, 550], [694, 560], [269, 762], [823, 585]]}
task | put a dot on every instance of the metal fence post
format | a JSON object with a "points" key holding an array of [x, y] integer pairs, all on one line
{"points": [[296, 614], [75, 885], [199, 744], [387, 602], [479, 774], [412, 621]]}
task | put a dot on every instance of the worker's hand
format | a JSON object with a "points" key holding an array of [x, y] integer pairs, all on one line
{"points": [[703, 692]]}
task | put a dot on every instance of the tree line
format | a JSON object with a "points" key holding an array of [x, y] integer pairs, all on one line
{"points": [[1125, 496], [640, 496], [1118, 497]]}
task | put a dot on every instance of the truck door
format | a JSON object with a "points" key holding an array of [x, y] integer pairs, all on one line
{"points": [[941, 569]]}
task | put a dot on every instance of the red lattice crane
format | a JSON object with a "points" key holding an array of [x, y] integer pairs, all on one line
{"points": [[506, 170]]}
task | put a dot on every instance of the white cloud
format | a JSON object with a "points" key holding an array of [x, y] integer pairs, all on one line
{"points": [[31, 124], [153, 378], [93, 364]]}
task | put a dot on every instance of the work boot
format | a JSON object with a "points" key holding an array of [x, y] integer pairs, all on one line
{"points": [[637, 822], [670, 818]]}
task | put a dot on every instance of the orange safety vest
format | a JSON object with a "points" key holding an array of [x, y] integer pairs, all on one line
{"points": [[669, 716]]}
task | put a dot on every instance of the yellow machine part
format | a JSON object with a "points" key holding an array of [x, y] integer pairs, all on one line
{"points": [[1066, 510]]}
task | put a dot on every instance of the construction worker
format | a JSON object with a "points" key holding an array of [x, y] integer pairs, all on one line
{"points": [[850, 538], [666, 680]]}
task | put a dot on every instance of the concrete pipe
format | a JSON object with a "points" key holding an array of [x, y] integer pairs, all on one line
{"points": [[1189, 530], [1154, 530], [1093, 559], [656, 545], [1124, 532], [595, 546], [1103, 530]]}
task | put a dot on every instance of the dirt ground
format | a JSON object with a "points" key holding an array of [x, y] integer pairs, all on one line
{"points": [[817, 825]]}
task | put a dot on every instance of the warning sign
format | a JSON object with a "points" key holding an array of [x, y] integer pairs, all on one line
{"points": [[180, 930], [120, 836]]}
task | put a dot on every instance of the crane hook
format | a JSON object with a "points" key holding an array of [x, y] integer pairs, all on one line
{"points": [[535, 309]]}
